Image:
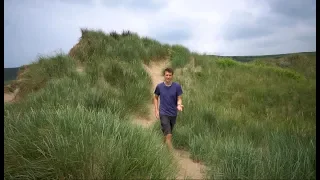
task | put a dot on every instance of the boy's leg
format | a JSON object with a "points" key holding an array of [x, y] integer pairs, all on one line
{"points": [[173, 120], [166, 129]]}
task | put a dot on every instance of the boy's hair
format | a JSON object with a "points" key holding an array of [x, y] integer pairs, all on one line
{"points": [[169, 70]]}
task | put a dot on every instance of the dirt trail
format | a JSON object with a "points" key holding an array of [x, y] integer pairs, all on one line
{"points": [[10, 97], [188, 168], [154, 69]]}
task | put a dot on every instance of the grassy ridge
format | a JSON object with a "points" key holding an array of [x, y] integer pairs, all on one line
{"points": [[302, 63], [75, 124], [273, 56], [248, 121], [151, 46]]}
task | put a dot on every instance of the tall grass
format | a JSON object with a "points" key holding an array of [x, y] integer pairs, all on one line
{"points": [[39, 72], [180, 56], [74, 125], [77, 143], [247, 121]]}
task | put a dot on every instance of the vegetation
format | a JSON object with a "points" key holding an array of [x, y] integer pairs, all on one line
{"points": [[273, 56], [243, 120], [249, 121], [303, 63], [75, 125]]}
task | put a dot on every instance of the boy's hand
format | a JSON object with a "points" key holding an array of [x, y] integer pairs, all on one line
{"points": [[180, 107]]}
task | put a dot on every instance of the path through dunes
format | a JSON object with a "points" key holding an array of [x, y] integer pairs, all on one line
{"points": [[154, 69], [9, 96], [188, 168]]}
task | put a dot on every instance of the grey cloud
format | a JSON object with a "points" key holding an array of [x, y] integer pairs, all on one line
{"points": [[271, 29], [28, 35], [242, 25], [83, 2], [265, 43], [246, 32], [307, 38], [295, 46], [148, 5], [173, 32], [131, 4], [281, 43], [174, 35], [272, 33], [298, 9], [276, 21]]}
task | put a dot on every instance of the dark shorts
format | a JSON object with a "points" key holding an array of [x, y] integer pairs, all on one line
{"points": [[167, 123]]}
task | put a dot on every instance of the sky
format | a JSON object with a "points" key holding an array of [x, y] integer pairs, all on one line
{"points": [[228, 27]]}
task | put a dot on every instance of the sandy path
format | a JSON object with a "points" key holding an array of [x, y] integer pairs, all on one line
{"points": [[154, 69], [188, 168], [9, 97]]}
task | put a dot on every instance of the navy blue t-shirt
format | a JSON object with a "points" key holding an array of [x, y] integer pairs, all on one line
{"points": [[168, 98]]}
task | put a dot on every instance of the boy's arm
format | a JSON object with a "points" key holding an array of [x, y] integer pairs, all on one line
{"points": [[179, 100], [180, 106], [156, 108], [155, 102]]}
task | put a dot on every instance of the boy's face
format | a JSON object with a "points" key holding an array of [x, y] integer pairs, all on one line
{"points": [[168, 77]]}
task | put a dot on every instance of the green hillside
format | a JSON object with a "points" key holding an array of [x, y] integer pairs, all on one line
{"points": [[242, 120], [304, 63], [273, 56]]}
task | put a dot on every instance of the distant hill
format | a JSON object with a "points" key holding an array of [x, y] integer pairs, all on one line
{"points": [[10, 73], [274, 56], [304, 63]]}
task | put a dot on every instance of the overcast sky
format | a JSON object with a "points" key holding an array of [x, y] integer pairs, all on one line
{"points": [[223, 27]]}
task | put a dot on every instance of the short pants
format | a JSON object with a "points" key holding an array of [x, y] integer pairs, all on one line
{"points": [[167, 123]]}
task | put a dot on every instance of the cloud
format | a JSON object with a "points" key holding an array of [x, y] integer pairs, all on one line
{"points": [[300, 9], [173, 32], [283, 27], [174, 36], [80, 2], [147, 5], [246, 27]]}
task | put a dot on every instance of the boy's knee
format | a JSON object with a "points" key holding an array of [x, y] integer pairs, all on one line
{"points": [[165, 125]]}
